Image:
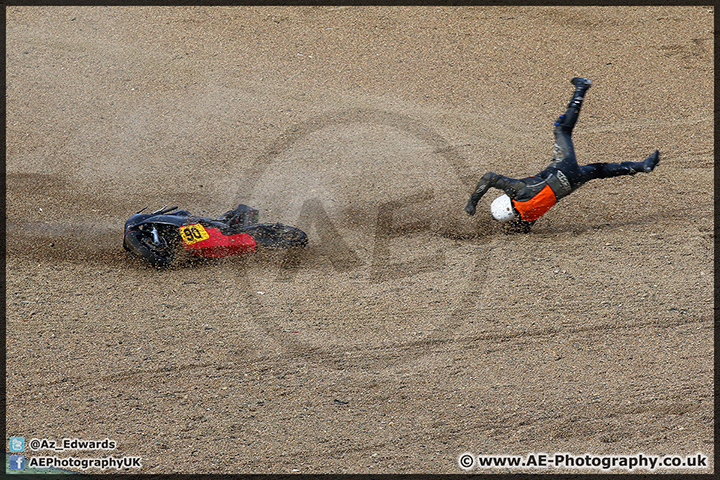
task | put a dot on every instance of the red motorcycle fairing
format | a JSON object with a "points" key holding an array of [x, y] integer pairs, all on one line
{"points": [[211, 242]]}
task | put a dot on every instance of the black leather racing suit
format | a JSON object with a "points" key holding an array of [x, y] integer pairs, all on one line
{"points": [[563, 175]]}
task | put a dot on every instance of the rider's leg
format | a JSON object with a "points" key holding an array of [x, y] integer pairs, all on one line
{"points": [[563, 150], [608, 170]]}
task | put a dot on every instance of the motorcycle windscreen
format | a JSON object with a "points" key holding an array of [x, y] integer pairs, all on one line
{"points": [[210, 242]]}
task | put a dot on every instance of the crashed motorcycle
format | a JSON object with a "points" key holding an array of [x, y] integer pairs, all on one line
{"points": [[166, 235]]}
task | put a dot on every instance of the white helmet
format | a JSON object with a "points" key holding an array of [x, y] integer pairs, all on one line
{"points": [[502, 208]]}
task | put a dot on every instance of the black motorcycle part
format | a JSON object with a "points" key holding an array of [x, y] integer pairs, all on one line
{"points": [[242, 216], [159, 248], [276, 235]]}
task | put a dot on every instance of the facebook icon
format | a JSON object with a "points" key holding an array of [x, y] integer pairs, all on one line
{"points": [[17, 462]]}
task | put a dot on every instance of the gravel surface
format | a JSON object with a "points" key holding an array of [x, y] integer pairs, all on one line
{"points": [[408, 333]]}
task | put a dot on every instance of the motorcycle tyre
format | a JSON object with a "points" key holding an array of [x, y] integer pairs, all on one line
{"points": [[157, 258]]}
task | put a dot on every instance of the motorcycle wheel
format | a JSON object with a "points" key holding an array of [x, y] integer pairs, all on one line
{"points": [[141, 243], [276, 235]]}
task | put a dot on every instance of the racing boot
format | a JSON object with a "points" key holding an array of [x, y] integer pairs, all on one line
{"points": [[649, 164], [646, 166], [581, 86], [566, 122], [581, 83]]}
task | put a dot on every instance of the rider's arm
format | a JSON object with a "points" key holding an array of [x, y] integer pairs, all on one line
{"points": [[509, 185]]}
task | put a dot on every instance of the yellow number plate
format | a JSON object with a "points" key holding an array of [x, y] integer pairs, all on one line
{"points": [[193, 233]]}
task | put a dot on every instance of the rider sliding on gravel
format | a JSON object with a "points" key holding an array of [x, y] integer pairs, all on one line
{"points": [[529, 198]]}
